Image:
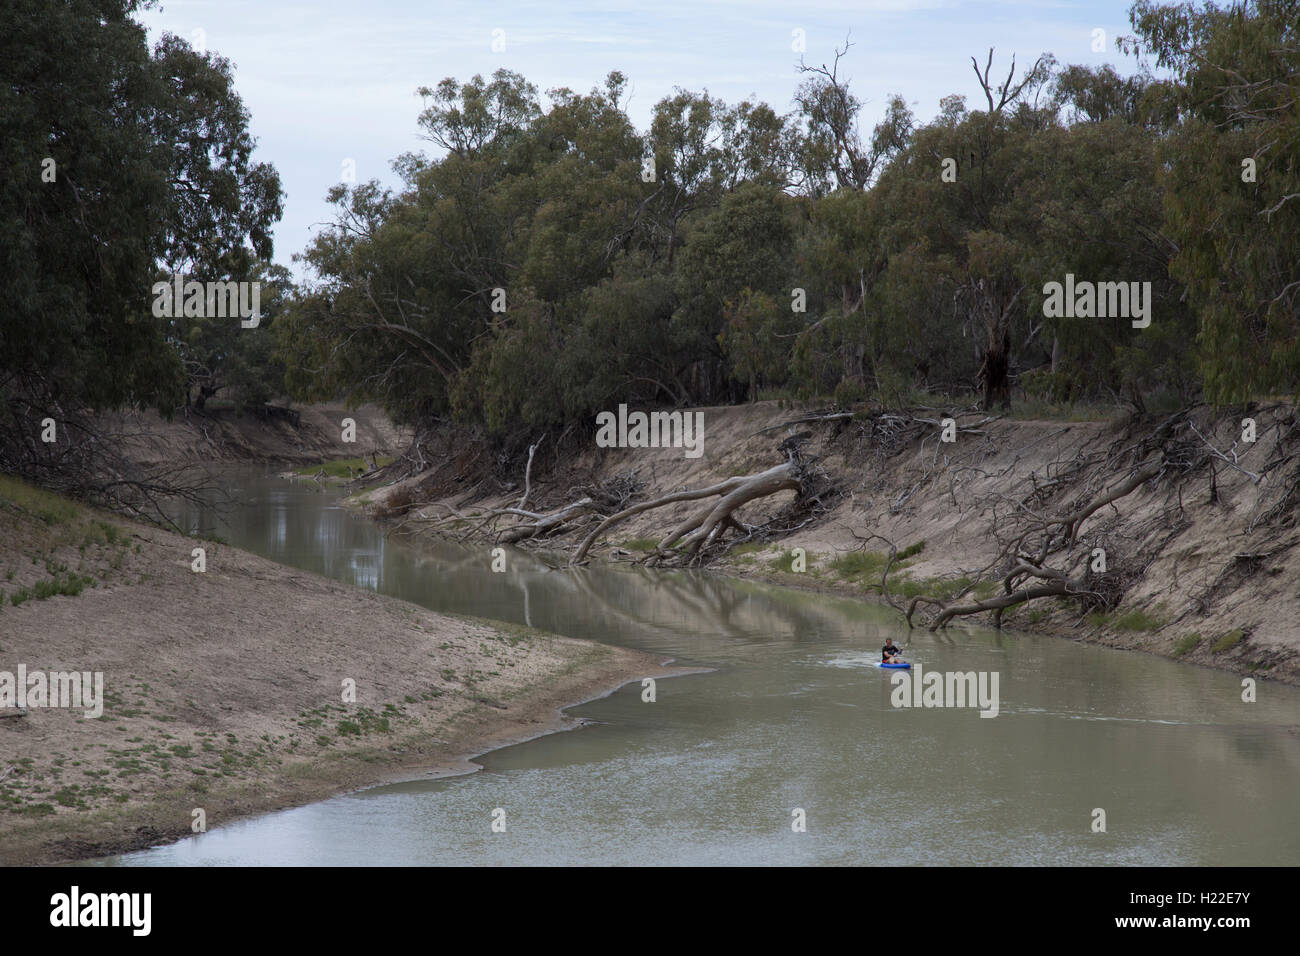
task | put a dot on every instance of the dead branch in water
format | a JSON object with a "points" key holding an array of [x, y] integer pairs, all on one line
{"points": [[889, 563]]}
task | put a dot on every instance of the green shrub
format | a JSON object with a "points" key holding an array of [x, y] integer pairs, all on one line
{"points": [[1137, 621], [1228, 641], [911, 551]]}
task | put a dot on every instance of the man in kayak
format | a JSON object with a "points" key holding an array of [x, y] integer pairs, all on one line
{"points": [[889, 653]]}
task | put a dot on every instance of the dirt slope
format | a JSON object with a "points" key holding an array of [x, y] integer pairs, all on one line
{"points": [[223, 691], [1205, 553], [309, 433]]}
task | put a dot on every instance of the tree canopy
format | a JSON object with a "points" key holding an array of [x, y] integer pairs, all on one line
{"points": [[550, 260], [122, 164]]}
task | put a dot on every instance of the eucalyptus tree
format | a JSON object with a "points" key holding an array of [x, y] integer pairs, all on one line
{"points": [[1230, 171], [122, 163]]}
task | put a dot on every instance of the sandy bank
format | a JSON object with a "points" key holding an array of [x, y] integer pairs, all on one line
{"points": [[224, 690], [1208, 556], [304, 433]]}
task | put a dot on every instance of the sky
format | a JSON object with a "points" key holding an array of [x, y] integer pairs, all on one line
{"points": [[330, 81]]}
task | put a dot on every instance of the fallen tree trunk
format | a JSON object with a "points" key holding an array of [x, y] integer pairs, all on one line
{"points": [[1018, 596], [701, 528], [704, 525], [544, 524]]}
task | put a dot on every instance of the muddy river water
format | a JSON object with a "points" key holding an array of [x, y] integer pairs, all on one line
{"points": [[792, 716]]}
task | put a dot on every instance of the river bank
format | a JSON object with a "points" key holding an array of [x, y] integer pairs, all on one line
{"points": [[792, 714], [1202, 559], [225, 691], [289, 432]]}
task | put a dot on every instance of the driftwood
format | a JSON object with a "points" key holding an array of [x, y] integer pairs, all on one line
{"points": [[884, 575], [705, 525], [528, 472], [543, 524], [598, 507]]}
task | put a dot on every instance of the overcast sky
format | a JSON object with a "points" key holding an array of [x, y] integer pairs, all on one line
{"points": [[331, 80]]}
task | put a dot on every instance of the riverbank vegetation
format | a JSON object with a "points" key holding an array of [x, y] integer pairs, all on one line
{"points": [[554, 261], [550, 261], [1066, 242]]}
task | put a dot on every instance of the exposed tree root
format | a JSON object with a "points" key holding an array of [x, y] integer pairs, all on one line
{"points": [[1040, 555]]}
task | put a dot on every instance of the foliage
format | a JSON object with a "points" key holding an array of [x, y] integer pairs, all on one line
{"points": [[121, 162], [550, 260], [1236, 98]]}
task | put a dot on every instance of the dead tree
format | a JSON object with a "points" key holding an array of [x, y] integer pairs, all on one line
{"points": [[705, 525], [1026, 572]]}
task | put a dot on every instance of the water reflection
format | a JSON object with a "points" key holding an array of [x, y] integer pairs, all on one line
{"points": [[792, 715]]}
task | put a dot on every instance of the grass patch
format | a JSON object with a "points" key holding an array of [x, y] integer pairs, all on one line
{"points": [[945, 589], [858, 564], [69, 797], [19, 496], [366, 722], [911, 551], [640, 544], [1137, 621], [101, 533], [342, 467], [785, 562], [66, 584], [1228, 641], [1185, 645]]}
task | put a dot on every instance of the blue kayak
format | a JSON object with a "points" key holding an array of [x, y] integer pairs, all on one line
{"points": [[901, 665]]}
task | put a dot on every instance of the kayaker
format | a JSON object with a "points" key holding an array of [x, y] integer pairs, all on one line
{"points": [[889, 653]]}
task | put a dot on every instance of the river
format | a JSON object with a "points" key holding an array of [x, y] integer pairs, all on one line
{"points": [[791, 716]]}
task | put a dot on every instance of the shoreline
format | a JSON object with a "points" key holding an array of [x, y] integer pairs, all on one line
{"points": [[222, 689], [455, 765], [466, 763], [1044, 628], [1047, 626], [1200, 560]]}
